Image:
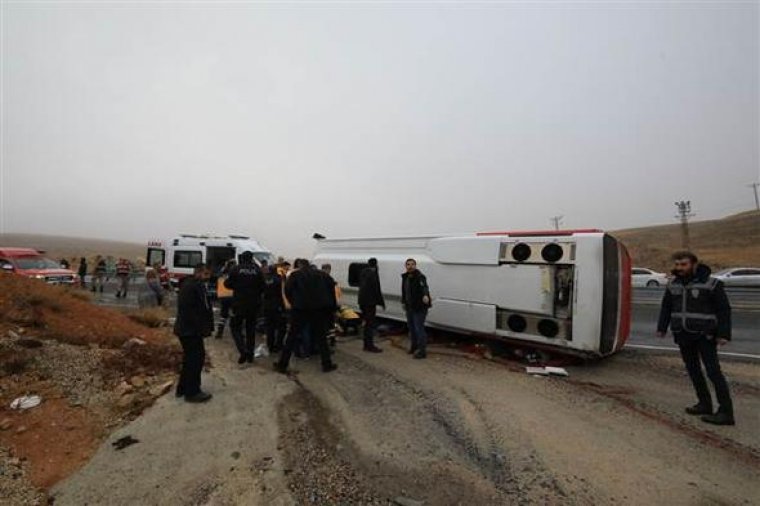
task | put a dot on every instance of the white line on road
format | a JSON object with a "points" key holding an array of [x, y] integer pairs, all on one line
{"points": [[672, 348]]}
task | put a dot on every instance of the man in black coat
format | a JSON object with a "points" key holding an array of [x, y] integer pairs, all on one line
{"points": [[415, 297], [696, 309], [195, 321], [311, 294], [273, 309], [370, 296], [247, 284]]}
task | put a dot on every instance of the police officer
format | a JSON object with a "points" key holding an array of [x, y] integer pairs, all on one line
{"points": [[311, 294], [195, 321], [370, 296], [696, 309], [246, 282]]}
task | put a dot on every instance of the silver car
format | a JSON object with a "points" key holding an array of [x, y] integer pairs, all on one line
{"points": [[641, 277], [740, 276]]}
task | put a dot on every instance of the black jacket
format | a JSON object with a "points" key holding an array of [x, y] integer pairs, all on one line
{"points": [[414, 287], [696, 306], [195, 317], [247, 285], [310, 289], [273, 293], [370, 293]]}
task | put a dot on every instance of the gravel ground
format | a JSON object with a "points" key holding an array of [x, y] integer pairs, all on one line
{"points": [[15, 489], [81, 400], [385, 429], [319, 470]]}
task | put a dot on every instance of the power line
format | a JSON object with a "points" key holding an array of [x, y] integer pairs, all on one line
{"points": [[557, 221], [684, 213]]}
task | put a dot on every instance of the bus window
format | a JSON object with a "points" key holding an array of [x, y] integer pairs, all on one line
{"points": [[187, 259]]}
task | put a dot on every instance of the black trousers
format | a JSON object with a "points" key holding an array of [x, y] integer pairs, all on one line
{"points": [[275, 325], [225, 303], [696, 349], [245, 320], [193, 358], [368, 315], [317, 322]]}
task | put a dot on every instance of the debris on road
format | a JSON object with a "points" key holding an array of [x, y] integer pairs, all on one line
{"points": [[261, 351], [26, 402], [124, 442], [546, 371]]}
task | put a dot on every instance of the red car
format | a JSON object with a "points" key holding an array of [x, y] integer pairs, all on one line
{"points": [[32, 264]]}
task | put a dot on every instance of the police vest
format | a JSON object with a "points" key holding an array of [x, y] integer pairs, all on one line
{"points": [[693, 310]]}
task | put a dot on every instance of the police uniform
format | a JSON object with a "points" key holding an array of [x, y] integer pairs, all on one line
{"points": [[698, 313], [246, 282]]}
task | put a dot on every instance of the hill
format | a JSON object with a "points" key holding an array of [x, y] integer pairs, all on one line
{"points": [[732, 241], [57, 247]]}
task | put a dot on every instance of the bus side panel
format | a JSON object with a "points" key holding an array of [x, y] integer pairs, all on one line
{"points": [[610, 295]]}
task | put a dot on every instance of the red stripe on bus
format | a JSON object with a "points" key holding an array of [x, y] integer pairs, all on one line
{"points": [[538, 233]]}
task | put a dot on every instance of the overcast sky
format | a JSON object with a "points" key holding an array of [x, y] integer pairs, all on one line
{"points": [[136, 120]]}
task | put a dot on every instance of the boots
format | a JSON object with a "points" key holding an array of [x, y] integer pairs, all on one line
{"points": [[369, 342], [699, 409], [719, 418]]}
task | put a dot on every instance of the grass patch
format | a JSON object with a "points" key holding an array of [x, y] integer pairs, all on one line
{"points": [[152, 317]]}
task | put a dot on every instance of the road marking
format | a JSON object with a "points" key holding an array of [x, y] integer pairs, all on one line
{"points": [[672, 348]]}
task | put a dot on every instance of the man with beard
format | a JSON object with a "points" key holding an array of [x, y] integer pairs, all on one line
{"points": [[696, 309]]}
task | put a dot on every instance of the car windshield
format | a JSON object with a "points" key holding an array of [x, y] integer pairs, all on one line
{"points": [[36, 263], [723, 272]]}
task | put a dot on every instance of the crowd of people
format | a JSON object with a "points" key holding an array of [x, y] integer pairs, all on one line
{"points": [[299, 307]]}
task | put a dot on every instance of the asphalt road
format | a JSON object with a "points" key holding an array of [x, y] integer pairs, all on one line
{"points": [[745, 303]]}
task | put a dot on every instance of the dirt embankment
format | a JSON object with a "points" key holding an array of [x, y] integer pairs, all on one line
{"points": [[733, 241], [94, 369]]}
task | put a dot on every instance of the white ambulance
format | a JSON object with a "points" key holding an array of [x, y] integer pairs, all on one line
{"points": [[181, 254]]}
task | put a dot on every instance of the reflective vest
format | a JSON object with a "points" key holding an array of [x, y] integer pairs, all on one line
{"points": [[693, 309]]}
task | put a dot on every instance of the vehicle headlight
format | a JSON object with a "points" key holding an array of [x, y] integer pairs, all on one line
{"points": [[39, 276]]}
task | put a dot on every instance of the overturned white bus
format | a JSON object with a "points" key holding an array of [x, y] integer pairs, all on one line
{"points": [[568, 291]]}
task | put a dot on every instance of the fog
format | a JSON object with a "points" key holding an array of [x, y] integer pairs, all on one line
{"points": [[142, 120]]}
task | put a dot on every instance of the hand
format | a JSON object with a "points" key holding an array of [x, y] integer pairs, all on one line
{"points": [[722, 341], [426, 300], [660, 334]]}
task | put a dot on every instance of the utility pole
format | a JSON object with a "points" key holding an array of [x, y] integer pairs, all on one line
{"points": [[684, 213], [557, 220], [757, 201]]}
